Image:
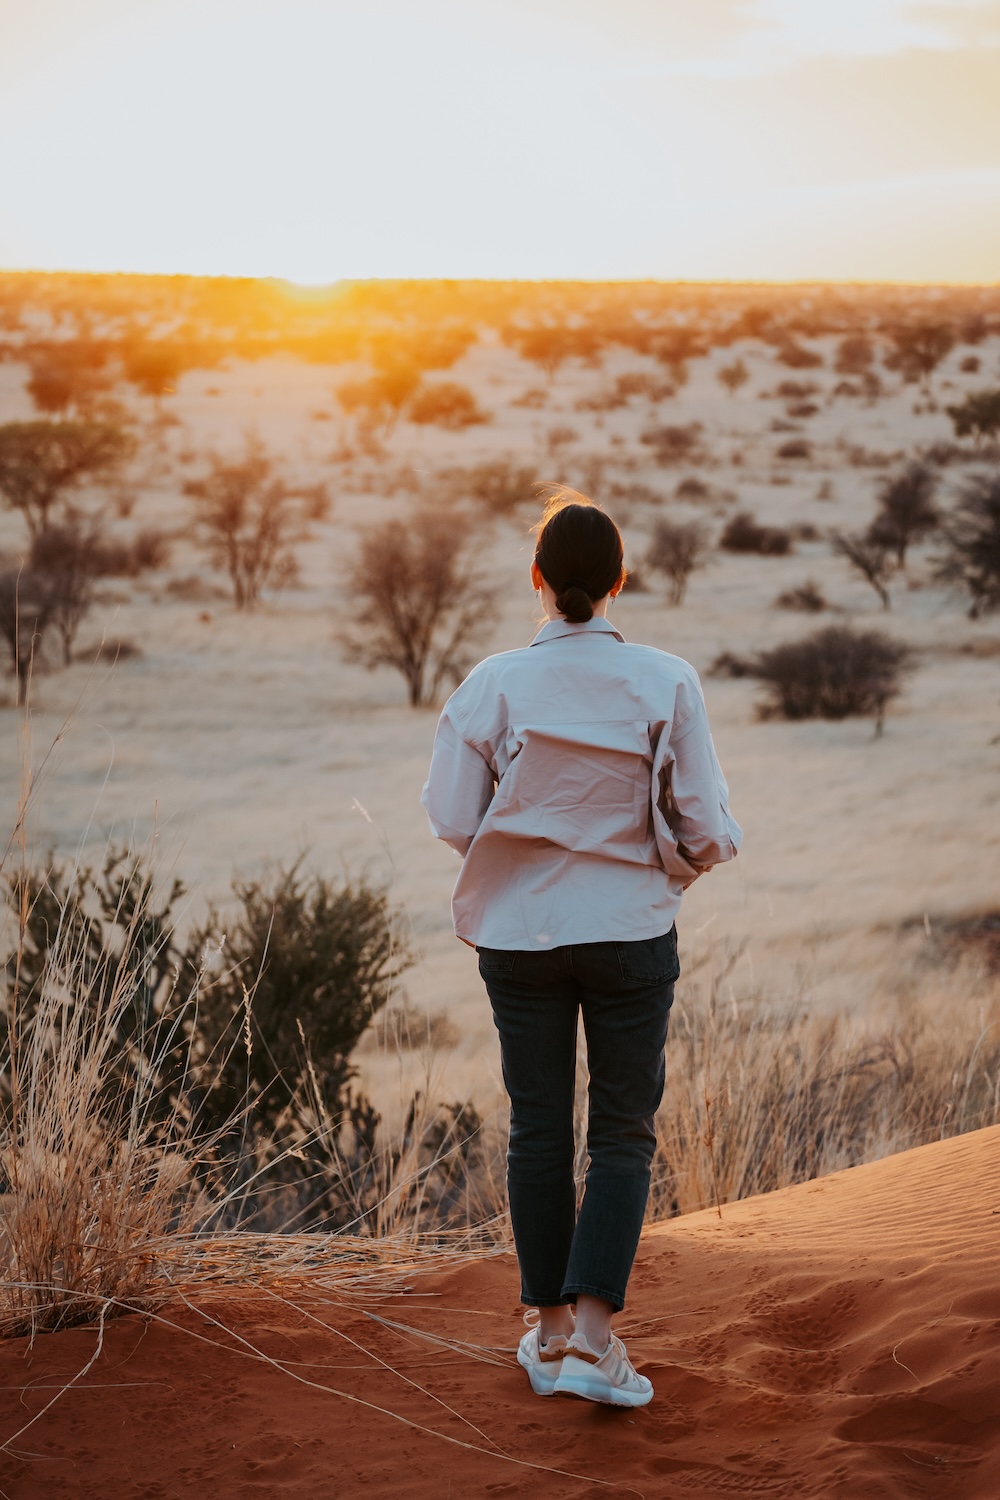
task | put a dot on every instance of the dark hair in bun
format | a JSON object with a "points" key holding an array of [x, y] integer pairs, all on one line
{"points": [[579, 552]]}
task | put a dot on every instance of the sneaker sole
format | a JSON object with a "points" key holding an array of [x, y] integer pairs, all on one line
{"points": [[577, 1378], [542, 1383]]}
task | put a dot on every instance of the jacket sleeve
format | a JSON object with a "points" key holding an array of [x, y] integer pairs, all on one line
{"points": [[691, 817], [459, 785]]}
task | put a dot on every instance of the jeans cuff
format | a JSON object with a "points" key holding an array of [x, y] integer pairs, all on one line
{"points": [[570, 1294], [545, 1301]]}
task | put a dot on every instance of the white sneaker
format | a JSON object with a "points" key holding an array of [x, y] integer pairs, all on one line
{"points": [[542, 1361], [607, 1377]]}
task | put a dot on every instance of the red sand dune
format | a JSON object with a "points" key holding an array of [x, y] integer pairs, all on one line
{"points": [[840, 1338]]}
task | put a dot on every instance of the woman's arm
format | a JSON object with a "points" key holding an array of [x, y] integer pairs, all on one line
{"points": [[459, 786], [695, 829]]}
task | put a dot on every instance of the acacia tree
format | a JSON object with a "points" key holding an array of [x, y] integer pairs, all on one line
{"points": [[249, 518], [972, 544], [677, 548], [43, 462], [906, 510], [422, 604]]}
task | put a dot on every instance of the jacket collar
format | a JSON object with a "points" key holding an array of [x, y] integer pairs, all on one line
{"points": [[553, 629]]}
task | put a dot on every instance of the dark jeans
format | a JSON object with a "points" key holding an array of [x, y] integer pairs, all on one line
{"points": [[624, 991]]}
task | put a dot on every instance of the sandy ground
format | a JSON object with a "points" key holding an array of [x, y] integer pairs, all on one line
{"points": [[244, 739], [837, 1339]]}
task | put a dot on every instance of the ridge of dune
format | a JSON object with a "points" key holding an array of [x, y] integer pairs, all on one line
{"points": [[839, 1338]]}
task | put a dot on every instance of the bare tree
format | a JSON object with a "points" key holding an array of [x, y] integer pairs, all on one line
{"points": [[26, 604], [677, 548], [65, 560], [972, 544], [249, 518], [907, 511], [733, 376], [870, 558], [41, 463], [422, 602]]}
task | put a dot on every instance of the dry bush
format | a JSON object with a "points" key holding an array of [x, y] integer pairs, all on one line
{"points": [[797, 356], [796, 390], [918, 348], [673, 444], [446, 404], [115, 1189], [499, 486], [807, 597], [532, 400], [795, 448], [855, 355], [68, 373], [837, 673], [550, 344], [379, 400], [559, 437], [632, 383], [744, 533], [978, 415], [733, 376]]}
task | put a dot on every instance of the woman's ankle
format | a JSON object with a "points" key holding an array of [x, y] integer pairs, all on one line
{"points": [[553, 1321], [593, 1321]]}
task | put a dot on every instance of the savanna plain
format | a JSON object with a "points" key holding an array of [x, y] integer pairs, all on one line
{"points": [[251, 1087]]}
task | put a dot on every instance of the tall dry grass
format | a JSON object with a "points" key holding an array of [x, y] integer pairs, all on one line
{"points": [[114, 1198], [762, 1095]]}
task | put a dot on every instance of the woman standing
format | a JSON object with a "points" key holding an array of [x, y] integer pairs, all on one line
{"points": [[578, 780]]}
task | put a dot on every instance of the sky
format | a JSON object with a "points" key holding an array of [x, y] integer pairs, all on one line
{"points": [[320, 139]]}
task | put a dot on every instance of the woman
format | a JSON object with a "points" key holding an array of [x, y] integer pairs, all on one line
{"points": [[578, 780]]}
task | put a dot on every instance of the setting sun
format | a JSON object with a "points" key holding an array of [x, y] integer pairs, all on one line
{"points": [[315, 141]]}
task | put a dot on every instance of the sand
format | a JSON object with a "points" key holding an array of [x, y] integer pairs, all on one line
{"points": [[834, 1339]]}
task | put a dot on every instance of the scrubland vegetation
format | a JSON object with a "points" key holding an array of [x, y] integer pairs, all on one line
{"points": [[310, 513]]}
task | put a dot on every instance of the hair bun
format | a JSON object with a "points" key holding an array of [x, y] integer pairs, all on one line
{"points": [[575, 604]]}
